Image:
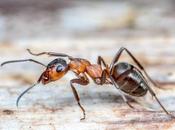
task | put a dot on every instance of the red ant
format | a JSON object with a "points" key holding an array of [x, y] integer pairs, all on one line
{"points": [[124, 76]]}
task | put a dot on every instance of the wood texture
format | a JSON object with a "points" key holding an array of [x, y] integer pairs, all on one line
{"points": [[146, 29]]}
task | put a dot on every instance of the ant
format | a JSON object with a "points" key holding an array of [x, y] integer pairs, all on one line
{"points": [[125, 77]]}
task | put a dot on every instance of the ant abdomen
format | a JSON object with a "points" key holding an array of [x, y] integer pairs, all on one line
{"points": [[129, 79]]}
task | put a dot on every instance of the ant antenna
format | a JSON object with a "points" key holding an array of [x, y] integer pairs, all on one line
{"points": [[50, 54], [17, 101], [31, 60]]}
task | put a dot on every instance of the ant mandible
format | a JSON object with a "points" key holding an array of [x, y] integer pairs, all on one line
{"points": [[125, 77]]}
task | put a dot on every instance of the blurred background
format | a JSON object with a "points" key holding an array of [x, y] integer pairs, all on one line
{"points": [[95, 28], [83, 29]]}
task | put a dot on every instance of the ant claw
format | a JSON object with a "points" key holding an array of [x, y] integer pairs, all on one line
{"points": [[82, 119], [130, 105]]}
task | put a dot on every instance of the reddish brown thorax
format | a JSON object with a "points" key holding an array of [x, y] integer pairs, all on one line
{"points": [[81, 66], [78, 65], [94, 71]]}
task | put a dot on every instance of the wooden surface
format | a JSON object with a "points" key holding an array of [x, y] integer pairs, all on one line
{"points": [[147, 31], [53, 106]]}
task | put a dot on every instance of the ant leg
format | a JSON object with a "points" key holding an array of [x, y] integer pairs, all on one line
{"points": [[117, 56], [100, 60], [50, 54], [31, 60], [120, 92], [103, 79], [82, 76], [81, 82], [154, 95]]}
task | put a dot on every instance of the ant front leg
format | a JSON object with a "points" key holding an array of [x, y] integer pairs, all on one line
{"points": [[117, 56], [81, 82]]}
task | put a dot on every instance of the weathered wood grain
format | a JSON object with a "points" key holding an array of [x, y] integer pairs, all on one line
{"points": [[146, 29]]}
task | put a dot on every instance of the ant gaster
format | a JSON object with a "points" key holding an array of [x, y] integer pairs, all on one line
{"points": [[125, 77]]}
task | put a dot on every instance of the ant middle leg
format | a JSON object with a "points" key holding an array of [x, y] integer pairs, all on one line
{"points": [[117, 56], [103, 79], [100, 60]]}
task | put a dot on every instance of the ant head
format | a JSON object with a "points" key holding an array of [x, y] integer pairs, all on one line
{"points": [[55, 70]]}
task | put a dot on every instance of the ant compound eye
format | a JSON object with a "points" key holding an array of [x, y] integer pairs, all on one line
{"points": [[59, 68]]}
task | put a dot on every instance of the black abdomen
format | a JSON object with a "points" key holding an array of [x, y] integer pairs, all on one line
{"points": [[129, 79]]}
